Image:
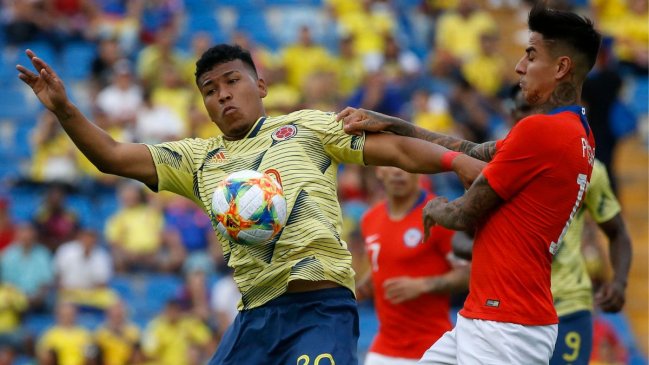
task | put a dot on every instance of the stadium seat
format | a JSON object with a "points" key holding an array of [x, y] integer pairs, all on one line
{"points": [[77, 60], [38, 323]]}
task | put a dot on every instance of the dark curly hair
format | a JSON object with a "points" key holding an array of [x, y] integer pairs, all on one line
{"points": [[223, 53], [567, 31]]}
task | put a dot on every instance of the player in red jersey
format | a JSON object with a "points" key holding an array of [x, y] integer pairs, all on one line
{"points": [[522, 203], [411, 278]]}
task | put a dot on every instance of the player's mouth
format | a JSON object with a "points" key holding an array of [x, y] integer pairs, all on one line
{"points": [[229, 110]]}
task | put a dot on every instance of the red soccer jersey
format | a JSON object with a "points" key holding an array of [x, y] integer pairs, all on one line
{"points": [[395, 248], [540, 170]]}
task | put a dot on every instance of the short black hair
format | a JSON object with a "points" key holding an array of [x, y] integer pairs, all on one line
{"points": [[570, 30], [223, 53]]}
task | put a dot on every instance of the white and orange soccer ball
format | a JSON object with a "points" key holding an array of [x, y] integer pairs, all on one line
{"points": [[249, 207]]}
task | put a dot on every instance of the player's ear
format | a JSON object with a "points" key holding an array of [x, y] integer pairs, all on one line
{"points": [[261, 86], [563, 68]]}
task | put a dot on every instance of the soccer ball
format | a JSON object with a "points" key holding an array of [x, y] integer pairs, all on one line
{"points": [[249, 207]]}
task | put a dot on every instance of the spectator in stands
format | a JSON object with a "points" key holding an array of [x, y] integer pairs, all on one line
{"points": [[134, 232], [224, 298], [108, 54], [83, 270], [459, 30], [13, 304], [7, 226], [398, 64], [194, 293], [121, 100], [201, 42], [28, 21], [349, 67], [188, 227], [172, 92], [170, 336], [117, 19], [158, 16], [431, 111], [53, 153], [73, 18], [367, 22], [600, 94], [152, 58], [629, 28], [486, 70], [65, 343], [156, 123], [471, 112], [27, 265], [303, 58], [377, 94], [117, 338], [55, 222]]}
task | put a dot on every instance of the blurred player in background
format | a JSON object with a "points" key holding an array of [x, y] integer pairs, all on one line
{"points": [[411, 279], [297, 303], [522, 202]]}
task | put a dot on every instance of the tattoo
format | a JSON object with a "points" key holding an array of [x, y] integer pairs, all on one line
{"points": [[466, 212], [566, 93], [483, 151]]}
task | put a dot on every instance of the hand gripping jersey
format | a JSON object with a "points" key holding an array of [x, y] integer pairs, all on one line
{"points": [[395, 248], [302, 151], [541, 171]]}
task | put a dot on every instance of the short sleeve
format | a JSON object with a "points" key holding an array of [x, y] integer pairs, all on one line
{"points": [[600, 199], [520, 158], [174, 162], [341, 146]]}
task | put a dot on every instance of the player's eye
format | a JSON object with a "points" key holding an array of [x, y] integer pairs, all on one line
{"points": [[210, 92], [232, 81]]}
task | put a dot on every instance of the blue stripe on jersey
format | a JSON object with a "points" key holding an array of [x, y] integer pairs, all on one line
{"points": [[257, 128]]}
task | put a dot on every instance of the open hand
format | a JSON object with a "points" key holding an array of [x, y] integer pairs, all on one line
{"points": [[356, 121], [46, 84], [404, 288]]}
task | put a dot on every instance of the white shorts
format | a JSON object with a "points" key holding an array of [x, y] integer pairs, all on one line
{"points": [[373, 358], [475, 341]]}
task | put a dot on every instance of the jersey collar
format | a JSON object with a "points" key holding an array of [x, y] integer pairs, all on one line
{"points": [[576, 109], [255, 130]]}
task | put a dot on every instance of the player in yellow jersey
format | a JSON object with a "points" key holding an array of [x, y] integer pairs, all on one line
{"points": [[297, 302]]}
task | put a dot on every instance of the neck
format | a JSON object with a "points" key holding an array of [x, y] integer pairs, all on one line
{"points": [[398, 207], [566, 93]]}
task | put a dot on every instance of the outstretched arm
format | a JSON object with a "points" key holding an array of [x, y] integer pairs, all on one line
{"points": [[109, 156], [611, 296], [465, 212], [358, 120], [417, 156]]}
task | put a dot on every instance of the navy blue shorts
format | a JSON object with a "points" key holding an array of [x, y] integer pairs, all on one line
{"points": [[310, 328], [575, 339]]}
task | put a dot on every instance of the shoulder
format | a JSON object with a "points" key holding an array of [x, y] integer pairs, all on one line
{"points": [[312, 115], [373, 212]]}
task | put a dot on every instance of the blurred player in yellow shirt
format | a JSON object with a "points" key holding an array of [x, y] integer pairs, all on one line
{"points": [[65, 343]]}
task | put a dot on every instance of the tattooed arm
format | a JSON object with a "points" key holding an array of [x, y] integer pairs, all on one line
{"points": [[358, 120], [465, 212]]}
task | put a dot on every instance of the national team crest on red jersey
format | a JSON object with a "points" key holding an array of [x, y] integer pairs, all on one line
{"points": [[284, 133]]}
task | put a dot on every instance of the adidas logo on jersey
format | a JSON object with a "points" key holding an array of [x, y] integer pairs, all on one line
{"points": [[219, 157]]}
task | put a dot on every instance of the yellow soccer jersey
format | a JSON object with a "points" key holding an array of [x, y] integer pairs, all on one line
{"points": [[302, 151], [117, 346], [571, 286]]}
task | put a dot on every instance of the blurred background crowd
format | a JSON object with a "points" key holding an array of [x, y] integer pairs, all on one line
{"points": [[98, 270]]}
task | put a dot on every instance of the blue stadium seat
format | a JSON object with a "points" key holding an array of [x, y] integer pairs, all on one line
{"points": [[38, 323], [161, 287], [77, 60], [254, 23]]}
